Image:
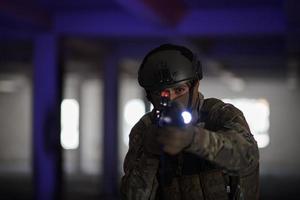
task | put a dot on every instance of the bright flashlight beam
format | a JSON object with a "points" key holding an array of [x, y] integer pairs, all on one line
{"points": [[187, 117]]}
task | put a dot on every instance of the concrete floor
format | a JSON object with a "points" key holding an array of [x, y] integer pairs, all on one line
{"points": [[20, 187]]}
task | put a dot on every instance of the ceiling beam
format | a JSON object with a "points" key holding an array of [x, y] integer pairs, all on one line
{"points": [[214, 22], [166, 12], [24, 15]]}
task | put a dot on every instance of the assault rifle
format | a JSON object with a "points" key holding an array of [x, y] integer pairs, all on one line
{"points": [[169, 113]]}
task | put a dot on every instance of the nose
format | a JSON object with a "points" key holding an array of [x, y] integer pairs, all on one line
{"points": [[172, 95]]}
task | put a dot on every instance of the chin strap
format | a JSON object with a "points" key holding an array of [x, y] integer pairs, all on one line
{"points": [[191, 93]]}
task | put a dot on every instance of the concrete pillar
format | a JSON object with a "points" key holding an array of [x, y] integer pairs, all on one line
{"points": [[293, 43], [110, 116], [293, 27], [47, 160]]}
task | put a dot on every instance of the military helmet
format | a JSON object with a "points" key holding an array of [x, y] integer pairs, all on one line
{"points": [[168, 65]]}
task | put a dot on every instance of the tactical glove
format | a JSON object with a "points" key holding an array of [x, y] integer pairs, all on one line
{"points": [[150, 142], [175, 139]]}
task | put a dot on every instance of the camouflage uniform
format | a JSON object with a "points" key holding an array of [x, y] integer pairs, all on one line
{"points": [[221, 162]]}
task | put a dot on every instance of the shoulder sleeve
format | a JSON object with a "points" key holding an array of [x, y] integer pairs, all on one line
{"points": [[139, 181], [227, 141]]}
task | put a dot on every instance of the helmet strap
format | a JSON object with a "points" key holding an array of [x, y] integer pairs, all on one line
{"points": [[191, 93]]}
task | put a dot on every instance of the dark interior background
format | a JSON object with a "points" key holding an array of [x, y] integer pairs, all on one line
{"points": [[249, 50]]}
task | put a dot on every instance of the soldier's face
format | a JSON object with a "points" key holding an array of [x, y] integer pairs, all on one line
{"points": [[179, 93]]}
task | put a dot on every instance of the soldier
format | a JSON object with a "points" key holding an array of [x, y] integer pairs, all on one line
{"points": [[214, 157]]}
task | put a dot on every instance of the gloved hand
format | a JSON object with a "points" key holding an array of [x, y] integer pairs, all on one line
{"points": [[175, 139], [150, 142]]}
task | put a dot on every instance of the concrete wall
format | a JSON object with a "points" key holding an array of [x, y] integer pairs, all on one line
{"points": [[284, 132], [280, 157], [15, 123]]}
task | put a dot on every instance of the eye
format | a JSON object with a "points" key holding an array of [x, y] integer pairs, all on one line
{"points": [[181, 90]]}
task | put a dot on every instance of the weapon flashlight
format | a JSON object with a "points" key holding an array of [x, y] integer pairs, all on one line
{"points": [[187, 117], [171, 113]]}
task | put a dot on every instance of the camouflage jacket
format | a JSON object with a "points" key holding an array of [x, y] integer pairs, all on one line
{"points": [[221, 163]]}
